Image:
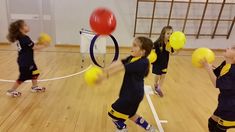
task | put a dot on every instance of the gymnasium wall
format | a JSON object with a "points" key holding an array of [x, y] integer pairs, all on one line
{"points": [[71, 16], [76, 16], [3, 21]]}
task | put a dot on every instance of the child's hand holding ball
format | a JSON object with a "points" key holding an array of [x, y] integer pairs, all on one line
{"points": [[44, 39]]}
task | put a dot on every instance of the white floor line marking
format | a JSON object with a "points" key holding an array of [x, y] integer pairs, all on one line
{"points": [[163, 121], [51, 79], [158, 121]]}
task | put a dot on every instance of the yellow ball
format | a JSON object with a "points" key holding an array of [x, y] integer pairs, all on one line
{"points": [[177, 40], [200, 54], [44, 38], [152, 56], [92, 74]]}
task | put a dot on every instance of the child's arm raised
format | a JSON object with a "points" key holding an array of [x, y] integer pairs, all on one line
{"points": [[38, 47], [210, 71], [114, 68]]}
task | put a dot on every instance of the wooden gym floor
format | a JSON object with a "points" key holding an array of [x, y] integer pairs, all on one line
{"points": [[69, 105]]}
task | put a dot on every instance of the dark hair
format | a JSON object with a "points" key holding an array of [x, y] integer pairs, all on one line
{"points": [[161, 38], [14, 32], [147, 45]]}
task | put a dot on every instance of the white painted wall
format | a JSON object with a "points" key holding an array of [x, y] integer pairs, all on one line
{"points": [[76, 16], [72, 15], [3, 21]]}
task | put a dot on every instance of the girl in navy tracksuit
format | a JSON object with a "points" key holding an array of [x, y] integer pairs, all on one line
{"points": [[28, 70], [136, 67], [223, 78], [163, 50]]}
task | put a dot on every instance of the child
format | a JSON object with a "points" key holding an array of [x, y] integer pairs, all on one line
{"points": [[162, 49], [223, 78], [28, 70], [136, 67]]}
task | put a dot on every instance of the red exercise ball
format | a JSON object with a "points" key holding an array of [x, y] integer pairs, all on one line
{"points": [[102, 21]]}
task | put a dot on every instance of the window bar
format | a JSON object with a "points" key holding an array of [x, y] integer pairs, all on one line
{"points": [[203, 15], [153, 14], [218, 20], [231, 27], [136, 12], [169, 18], [186, 17]]}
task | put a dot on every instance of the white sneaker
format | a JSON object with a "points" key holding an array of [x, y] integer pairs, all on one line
{"points": [[122, 130], [13, 94], [38, 89], [152, 129]]}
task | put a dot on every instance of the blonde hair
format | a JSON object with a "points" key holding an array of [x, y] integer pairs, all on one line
{"points": [[161, 38]]}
